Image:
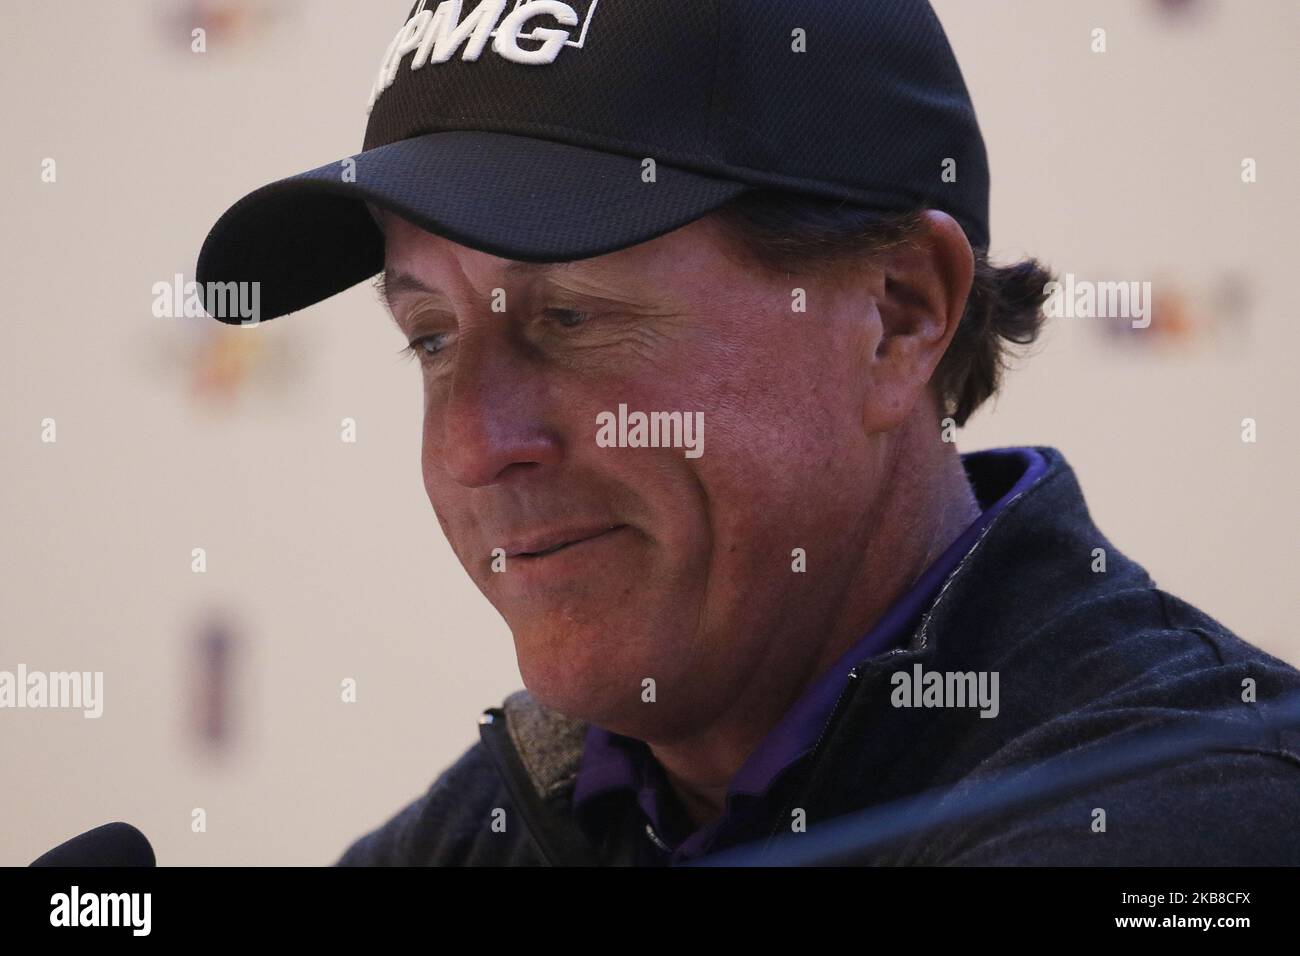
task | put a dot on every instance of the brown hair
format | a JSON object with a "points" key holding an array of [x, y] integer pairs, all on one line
{"points": [[787, 233]]}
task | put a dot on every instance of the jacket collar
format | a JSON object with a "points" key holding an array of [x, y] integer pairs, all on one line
{"points": [[1028, 569], [537, 751]]}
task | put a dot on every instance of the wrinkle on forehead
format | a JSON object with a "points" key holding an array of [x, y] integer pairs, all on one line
{"points": [[680, 266]]}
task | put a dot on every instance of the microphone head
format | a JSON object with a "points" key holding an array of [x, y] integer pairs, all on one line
{"points": [[113, 844]]}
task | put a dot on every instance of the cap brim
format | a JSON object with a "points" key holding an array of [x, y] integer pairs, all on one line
{"points": [[310, 236]]}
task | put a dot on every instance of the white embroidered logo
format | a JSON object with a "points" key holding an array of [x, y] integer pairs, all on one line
{"points": [[436, 35]]}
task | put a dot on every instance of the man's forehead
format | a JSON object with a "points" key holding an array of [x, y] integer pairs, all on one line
{"points": [[412, 268], [415, 260], [395, 281]]}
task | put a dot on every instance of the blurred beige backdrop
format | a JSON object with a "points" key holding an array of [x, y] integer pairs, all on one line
{"points": [[325, 558]]}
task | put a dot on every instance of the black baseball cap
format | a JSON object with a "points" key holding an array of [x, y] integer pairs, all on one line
{"points": [[547, 131]]}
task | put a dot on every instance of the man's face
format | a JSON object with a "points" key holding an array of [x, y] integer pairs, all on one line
{"points": [[627, 564]]}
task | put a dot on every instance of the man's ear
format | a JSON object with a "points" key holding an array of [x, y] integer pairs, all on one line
{"points": [[926, 284]]}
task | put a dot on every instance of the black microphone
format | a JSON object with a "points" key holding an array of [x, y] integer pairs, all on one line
{"points": [[113, 844]]}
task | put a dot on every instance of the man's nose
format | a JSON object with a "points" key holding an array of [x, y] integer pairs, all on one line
{"points": [[494, 417]]}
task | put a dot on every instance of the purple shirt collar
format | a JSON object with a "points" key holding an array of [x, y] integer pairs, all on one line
{"points": [[612, 762]]}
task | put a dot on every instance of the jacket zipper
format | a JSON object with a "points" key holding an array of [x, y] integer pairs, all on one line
{"points": [[491, 729], [850, 685]]}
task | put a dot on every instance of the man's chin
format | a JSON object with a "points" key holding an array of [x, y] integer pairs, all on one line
{"points": [[574, 686], [577, 676]]}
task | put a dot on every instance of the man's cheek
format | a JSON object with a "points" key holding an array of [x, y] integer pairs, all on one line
{"points": [[457, 528]]}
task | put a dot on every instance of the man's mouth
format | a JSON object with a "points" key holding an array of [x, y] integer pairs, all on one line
{"points": [[547, 543]]}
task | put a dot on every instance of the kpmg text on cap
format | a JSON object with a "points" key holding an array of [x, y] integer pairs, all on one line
{"points": [[435, 35]]}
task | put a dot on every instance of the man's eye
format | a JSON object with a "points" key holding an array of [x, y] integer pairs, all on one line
{"points": [[568, 318], [427, 346]]}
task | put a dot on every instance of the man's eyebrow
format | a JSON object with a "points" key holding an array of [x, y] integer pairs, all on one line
{"points": [[394, 283]]}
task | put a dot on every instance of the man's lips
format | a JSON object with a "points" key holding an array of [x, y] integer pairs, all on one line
{"points": [[543, 543]]}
